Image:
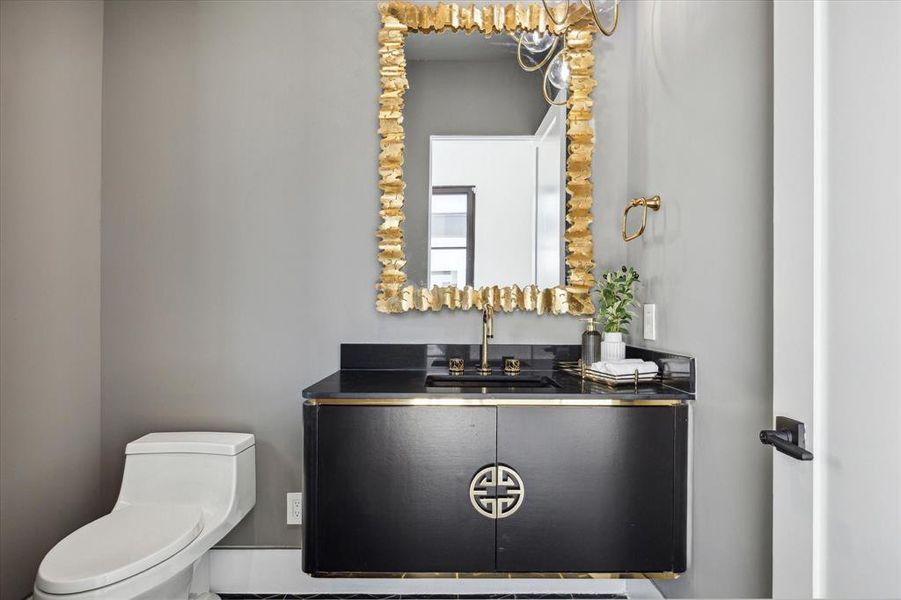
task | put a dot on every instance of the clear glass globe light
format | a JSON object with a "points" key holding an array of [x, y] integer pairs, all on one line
{"points": [[558, 72], [604, 7], [537, 41], [556, 6]]}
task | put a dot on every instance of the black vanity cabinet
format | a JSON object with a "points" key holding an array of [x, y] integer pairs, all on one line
{"points": [[495, 488], [388, 488], [604, 489]]}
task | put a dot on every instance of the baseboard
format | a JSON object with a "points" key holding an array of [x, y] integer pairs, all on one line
{"points": [[278, 571]]}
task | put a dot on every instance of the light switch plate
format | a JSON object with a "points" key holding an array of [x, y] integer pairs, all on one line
{"points": [[295, 508], [650, 321]]}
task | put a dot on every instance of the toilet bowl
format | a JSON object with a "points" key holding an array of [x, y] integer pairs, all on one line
{"points": [[181, 493]]}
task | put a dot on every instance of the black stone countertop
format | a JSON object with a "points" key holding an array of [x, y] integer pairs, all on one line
{"points": [[399, 371]]}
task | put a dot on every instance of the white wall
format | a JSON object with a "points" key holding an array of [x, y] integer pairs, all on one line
{"points": [[50, 90], [860, 526], [503, 173], [550, 198]]}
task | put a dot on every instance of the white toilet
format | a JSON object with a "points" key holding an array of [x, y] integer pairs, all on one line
{"points": [[181, 493]]}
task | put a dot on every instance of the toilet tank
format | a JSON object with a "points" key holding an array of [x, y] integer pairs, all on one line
{"points": [[216, 471]]}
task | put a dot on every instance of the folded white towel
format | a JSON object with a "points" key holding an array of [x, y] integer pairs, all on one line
{"points": [[625, 367], [601, 364]]}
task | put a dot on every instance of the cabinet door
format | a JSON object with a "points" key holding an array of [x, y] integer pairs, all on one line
{"points": [[599, 489], [393, 489]]}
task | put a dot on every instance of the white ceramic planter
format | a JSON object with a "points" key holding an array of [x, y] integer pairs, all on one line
{"points": [[613, 347]]}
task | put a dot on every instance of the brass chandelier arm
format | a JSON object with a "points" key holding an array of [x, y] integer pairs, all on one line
{"points": [[597, 19], [552, 17], [589, 6], [544, 61]]}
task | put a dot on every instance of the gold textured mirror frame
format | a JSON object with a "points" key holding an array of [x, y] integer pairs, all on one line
{"points": [[394, 294]]}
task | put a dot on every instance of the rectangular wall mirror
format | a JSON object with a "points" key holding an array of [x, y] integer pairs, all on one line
{"points": [[486, 196]]}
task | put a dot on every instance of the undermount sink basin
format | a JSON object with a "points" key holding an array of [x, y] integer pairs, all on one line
{"points": [[490, 381]]}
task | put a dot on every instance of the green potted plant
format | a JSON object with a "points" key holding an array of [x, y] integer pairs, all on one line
{"points": [[615, 302]]}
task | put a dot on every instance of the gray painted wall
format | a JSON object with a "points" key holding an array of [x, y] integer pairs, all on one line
{"points": [[50, 82], [240, 205], [699, 117], [458, 98]]}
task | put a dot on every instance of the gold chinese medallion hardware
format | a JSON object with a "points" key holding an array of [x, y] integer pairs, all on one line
{"points": [[496, 491]]}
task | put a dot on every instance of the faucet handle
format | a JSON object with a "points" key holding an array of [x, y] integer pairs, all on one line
{"points": [[512, 366], [455, 366]]}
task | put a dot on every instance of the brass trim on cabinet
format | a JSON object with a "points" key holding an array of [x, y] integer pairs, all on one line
{"points": [[491, 402], [450, 575], [394, 294]]}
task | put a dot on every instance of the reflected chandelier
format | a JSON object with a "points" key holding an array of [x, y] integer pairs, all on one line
{"points": [[563, 14]]}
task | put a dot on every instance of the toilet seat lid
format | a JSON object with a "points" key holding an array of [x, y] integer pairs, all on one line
{"points": [[118, 545]]}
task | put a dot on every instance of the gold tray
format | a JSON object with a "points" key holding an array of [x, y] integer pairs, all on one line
{"points": [[574, 367]]}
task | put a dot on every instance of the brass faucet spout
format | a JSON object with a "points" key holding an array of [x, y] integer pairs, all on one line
{"points": [[487, 332]]}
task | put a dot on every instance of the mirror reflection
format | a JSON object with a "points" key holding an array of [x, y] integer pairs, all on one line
{"points": [[484, 166]]}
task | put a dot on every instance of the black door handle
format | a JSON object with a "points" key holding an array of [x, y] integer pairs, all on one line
{"points": [[787, 438]]}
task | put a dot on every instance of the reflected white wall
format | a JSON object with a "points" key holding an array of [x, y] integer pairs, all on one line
{"points": [[502, 169]]}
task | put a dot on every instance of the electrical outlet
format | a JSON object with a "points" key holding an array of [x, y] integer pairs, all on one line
{"points": [[650, 321], [295, 508]]}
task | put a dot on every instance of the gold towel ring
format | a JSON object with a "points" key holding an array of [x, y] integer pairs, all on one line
{"points": [[653, 203]]}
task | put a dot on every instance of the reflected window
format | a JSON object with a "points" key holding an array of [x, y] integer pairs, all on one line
{"points": [[452, 235]]}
